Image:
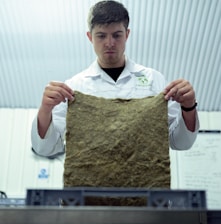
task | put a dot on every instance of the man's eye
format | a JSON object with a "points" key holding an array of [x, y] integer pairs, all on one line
{"points": [[116, 36], [101, 36]]}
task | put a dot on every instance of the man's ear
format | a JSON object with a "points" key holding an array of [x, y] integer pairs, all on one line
{"points": [[89, 35], [127, 33]]}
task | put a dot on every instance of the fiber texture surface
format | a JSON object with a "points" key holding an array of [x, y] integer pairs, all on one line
{"points": [[117, 142]]}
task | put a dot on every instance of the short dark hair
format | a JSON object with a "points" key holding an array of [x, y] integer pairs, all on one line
{"points": [[107, 12]]}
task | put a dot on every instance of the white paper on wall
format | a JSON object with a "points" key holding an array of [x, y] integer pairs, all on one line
{"points": [[200, 167]]}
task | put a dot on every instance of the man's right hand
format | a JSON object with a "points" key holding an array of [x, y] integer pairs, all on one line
{"points": [[54, 93]]}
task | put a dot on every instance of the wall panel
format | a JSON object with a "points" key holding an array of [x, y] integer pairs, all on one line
{"points": [[44, 40], [19, 167]]}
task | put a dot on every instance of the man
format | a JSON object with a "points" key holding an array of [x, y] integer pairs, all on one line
{"points": [[113, 75]]}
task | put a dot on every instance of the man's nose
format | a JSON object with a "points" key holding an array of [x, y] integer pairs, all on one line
{"points": [[110, 41]]}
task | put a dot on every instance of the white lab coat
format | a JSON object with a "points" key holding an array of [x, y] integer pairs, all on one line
{"points": [[135, 81]]}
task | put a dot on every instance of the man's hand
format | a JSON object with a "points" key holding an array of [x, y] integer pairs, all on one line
{"points": [[55, 93], [181, 91]]}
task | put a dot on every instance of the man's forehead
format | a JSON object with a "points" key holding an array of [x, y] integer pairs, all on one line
{"points": [[114, 27]]}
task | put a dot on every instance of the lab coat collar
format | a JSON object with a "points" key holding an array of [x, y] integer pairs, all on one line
{"points": [[130, 68]]}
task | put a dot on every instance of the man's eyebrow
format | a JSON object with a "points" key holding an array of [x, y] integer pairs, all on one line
{"points": [[119, 31], [100, 32]]}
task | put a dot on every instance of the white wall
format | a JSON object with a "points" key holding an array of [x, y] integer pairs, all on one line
{"points": [[20, 168], [200, 167], [44, 40]]}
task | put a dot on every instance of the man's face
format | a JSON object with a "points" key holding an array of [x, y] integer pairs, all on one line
{"points": [[109, 44]]}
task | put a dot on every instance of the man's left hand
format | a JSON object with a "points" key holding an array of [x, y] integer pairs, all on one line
{"points": [[181, 91]]}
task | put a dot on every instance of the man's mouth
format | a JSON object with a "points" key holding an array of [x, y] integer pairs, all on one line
{"points": [[109, 52]]}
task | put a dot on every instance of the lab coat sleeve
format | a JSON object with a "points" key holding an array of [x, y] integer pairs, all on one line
{"points": [[52, 144], [180, 137]]}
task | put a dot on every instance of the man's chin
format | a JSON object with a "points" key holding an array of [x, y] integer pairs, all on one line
{"points": [[111, 60]]}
